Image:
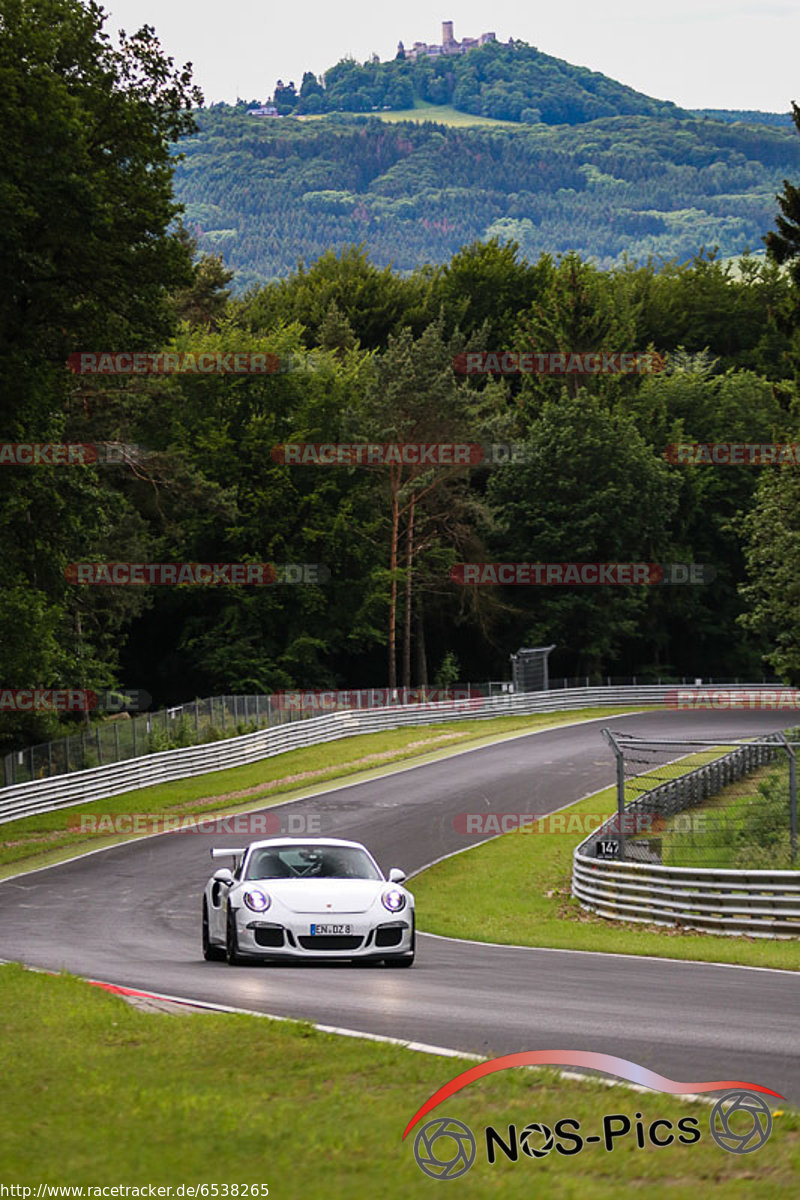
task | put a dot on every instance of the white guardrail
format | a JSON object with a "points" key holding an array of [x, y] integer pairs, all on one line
{"points": [[752, 903], [81, 787], [710, 899]]}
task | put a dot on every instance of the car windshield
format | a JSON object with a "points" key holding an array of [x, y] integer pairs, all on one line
{"points": [[311, 862]]}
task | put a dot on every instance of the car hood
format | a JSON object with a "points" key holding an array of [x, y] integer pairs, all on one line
{"points": [[322, 895]]}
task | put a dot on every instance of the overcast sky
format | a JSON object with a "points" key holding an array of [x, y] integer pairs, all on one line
{"points": [[698, 53]]}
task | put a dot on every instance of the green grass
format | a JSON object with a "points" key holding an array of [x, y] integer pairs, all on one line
{"points": [[98, 1093], [443, 114], [729, 839], [515, 890], [45, 839]]}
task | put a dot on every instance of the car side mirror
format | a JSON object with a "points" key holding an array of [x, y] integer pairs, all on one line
{"points": [[396, 875], [224, 875]]}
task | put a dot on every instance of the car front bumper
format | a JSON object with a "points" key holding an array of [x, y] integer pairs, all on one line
{"points": [[258, 937]]}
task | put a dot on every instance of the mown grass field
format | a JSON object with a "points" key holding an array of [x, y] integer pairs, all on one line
{"points": [[47, 838], [96, 1092], [515, 889], [442, 114]]}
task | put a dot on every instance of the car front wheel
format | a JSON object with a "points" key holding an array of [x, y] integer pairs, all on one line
{"points": [[231, 943], [211, 953]]}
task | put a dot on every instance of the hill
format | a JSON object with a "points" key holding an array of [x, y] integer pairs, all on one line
{"points": [[507, 82], [265, 193]]}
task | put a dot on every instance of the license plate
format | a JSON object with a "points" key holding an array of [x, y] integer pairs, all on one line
{"points": [[328, 929]]}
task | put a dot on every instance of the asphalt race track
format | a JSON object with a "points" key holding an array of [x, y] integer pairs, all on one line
{"points": [[131, 916]]}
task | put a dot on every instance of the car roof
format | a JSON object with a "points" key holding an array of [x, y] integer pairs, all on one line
{"points": [[294, 841]]}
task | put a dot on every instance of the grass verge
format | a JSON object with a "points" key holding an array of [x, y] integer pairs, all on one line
{"points": [[746, 824], [46, 839], [99, 1093], [515, 890]]}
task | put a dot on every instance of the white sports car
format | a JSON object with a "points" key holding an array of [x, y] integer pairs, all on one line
{"points": [[295, 898]]}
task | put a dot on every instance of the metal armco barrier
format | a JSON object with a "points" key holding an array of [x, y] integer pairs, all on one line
{"points": [[81, 787], [724, 900], [755, 903]]}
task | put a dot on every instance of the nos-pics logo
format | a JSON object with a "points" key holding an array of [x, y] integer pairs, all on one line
{"points": [[445, 1148]]}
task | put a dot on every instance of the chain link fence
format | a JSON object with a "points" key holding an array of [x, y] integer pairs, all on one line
{"points": [[130, 735], [694, 804]]}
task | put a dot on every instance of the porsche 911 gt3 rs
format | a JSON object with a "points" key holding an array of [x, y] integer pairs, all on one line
{"points": [[301, 898]]}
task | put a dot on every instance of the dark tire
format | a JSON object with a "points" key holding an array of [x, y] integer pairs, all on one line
{"points": [[232, 954], [211, 953]]}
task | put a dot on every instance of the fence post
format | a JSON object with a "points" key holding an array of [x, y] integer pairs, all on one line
{"points": [[792, 793], [620, 757], [793, 802]]}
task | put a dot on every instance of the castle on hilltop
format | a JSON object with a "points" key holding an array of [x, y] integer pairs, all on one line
{"points": [[449, 44]]}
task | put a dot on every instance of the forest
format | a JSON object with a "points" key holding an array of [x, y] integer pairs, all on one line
{"points": [[99, 257], [267, 193]]}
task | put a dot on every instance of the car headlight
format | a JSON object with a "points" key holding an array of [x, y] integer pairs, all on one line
{"points": [[393, 900], [257, 900]]}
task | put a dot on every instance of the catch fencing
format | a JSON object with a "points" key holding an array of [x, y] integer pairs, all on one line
{"points": [[133, 733], [44, 795], [713, 847]]}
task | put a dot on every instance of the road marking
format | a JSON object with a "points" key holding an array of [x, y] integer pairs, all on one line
{"points": [[691, 962], [419, 1047]]}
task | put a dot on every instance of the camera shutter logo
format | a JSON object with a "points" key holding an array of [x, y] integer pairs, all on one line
{"points": [[526, 1140], [731, 1139], [445, 1148]]}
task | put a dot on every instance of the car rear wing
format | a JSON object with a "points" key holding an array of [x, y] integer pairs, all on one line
{"points": [[234, 852]]}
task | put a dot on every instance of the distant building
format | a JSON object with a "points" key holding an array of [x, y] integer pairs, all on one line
{"points": [[449, 44], [263, 110]]}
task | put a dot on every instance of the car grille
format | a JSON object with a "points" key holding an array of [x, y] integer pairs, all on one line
{"points": [[331, 941], [268, 937]]}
